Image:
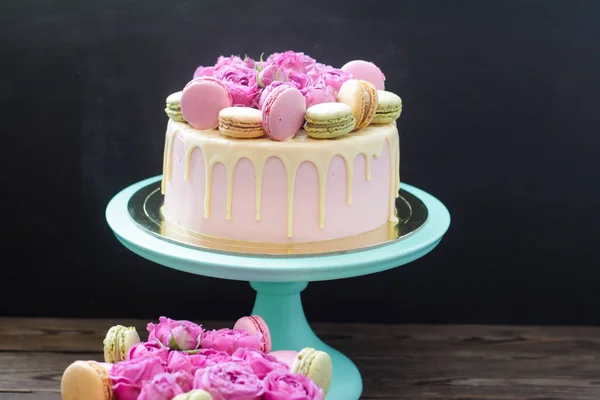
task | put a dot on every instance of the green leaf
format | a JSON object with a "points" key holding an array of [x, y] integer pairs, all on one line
{"points": [[258, 82], [173, 345]]}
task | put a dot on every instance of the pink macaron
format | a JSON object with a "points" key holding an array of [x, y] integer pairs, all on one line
{"points": [[253, 324], [283, 112], [285, 356], [202, 99], [366, 71]]}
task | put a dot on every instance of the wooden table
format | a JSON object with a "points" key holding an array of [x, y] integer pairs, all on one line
{"points": [[397, 362]]}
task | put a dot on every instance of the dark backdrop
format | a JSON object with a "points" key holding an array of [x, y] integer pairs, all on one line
{"points": [[500, 122]]}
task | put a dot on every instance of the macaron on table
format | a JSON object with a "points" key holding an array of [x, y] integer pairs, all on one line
{"points": [[236, 227]]}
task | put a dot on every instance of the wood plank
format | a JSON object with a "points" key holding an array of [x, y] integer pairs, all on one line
{"points": [[397, 362], [411, 377], [30, 396]]}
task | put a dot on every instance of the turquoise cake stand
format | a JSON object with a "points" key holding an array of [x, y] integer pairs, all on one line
{"points": [[279, 279]]}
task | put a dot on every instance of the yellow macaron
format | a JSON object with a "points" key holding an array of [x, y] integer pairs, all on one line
{"points": [[362, 97], [88, 380]]}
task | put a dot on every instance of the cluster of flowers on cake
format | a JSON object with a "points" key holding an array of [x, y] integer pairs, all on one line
{"points": [[250, 81], [180, 356]]}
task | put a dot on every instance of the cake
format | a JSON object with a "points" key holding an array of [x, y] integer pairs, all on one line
{"points": [[286, 184]]}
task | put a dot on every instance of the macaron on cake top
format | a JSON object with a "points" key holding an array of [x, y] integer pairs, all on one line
{"points": [[329, 120], [87, 380], [389, 107], [202, 99], [241, 122], [316, 365], [367, 71], [283, 112], [253, 324], [173, 108], [362, 98], [196, 394], [118, 341]]}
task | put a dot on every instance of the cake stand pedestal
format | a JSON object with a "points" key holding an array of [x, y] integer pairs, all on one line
{"points": [[279, 279]]}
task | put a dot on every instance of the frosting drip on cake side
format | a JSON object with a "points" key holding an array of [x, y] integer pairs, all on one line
{"points": [[217, 148]]}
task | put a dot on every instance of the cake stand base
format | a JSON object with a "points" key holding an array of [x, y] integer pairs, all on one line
{"points": [[280, 276], [280, 305]]}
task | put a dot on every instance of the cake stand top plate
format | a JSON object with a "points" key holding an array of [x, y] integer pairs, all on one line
{"points": [[133, 215]]}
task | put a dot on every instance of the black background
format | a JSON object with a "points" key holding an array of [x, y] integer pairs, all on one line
{"points": [[500, 122]]}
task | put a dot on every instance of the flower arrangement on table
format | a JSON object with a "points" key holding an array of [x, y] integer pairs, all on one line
{"points": [[183, 361]]}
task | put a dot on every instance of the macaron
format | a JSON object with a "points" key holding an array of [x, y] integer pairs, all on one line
{"points": [[253, 324], [361, 96], [367, 71], [173, 108], [202, 99], [196, 394], [316, 365], [86, 380], [389, 107], [329, 120], [285, 356], [117, 342], [241, 122], [283, 112]]}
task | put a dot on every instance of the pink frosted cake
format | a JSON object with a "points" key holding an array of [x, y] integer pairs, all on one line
{"points": [[282, 150]]}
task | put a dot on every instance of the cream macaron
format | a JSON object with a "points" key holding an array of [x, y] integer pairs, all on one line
{"points": [[117, 342], [241, 122], [196, 394]]}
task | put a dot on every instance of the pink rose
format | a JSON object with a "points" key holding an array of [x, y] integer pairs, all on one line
{"points": [[184, 379], [284, 385], [334, 77], [265, 92], [129, 376], [269, 74], [229, 381], [272, 73], [299, 80], [249, 63], [241, 82], [180, 361], [147, 348], [162, 387], [204, 71], [297, 62], [317, 94], [231, 60], [260, 362], [234, 61], [314, 71], [176, 335], [229, 340]]}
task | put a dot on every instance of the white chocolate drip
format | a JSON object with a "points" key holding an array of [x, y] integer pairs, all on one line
{"points": [[318, 152]]}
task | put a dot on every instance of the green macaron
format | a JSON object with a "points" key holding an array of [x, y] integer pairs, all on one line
{"points": [[329, 120], [389, 107], [173, 108]]}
